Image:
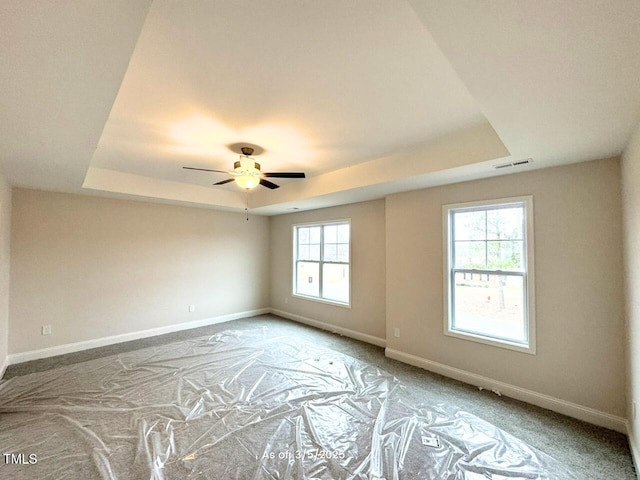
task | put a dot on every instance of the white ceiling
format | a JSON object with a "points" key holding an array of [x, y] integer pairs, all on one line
{"points": [[368, 97], [62, 65]]}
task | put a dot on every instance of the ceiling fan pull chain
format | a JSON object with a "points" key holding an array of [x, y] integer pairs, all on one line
{"points": [[246, 202]]}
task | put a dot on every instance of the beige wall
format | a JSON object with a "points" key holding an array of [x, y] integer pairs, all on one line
{"points": [[578, 273], [367, 312], [631, 228], [93, 267], [5, 237]]}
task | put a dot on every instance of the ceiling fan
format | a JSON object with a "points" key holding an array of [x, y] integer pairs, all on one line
{"points": [[246, 172]]}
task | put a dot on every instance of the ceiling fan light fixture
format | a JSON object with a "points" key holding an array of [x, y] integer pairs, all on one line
{"points": [[247, 172], [247, 181]]}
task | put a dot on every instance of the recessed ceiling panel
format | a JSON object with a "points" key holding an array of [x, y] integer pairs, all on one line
{"points": [[318, 85]]}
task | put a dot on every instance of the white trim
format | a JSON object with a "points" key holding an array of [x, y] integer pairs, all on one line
{"points": [[4, 366], [317, 223], [635, 457], [564, 407], [126, 337], [528, 278], [321, 300], [364, 337], [321, 262], [494, 342]]}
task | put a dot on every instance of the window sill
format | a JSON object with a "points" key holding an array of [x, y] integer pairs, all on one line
{"points": [[322, 300], [494, 342]]}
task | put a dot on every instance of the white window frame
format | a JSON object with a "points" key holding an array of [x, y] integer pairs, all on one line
{"points": [[320, 262], [527, 274]]}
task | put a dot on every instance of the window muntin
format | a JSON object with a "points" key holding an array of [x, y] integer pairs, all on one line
{"points": [[322, 261], [489, 272]]}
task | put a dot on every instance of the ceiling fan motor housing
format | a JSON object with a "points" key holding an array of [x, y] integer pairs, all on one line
{"points": [[246, 163]]}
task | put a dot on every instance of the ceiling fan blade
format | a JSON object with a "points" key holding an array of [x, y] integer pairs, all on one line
{"points": [[224, 181], [268, 184], [284, 175], [204, 169]]}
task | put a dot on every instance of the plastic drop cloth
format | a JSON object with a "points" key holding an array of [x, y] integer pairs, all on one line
{"points": [[243, 405]]}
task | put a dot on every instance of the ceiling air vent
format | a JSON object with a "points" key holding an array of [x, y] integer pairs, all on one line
{"points": [[513, 164]]}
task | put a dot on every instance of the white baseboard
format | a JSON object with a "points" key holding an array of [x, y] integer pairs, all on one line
{"points": [[364, 337], [564, 407], [126, 337], [4, 366], [634, 449]]}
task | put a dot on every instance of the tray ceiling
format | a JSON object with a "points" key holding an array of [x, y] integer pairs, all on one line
{"points": [[368, 98]]}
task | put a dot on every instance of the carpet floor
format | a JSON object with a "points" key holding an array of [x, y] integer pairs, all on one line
{"points": [[590, 452]]}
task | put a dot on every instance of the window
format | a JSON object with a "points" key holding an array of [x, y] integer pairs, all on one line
{"points": [[489, 272], [321, 261]]}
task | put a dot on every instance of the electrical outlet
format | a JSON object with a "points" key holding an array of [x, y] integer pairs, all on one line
{"points": [[46, 330], [192, 308], [396, 332], [430, 441], [286, 299]]}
